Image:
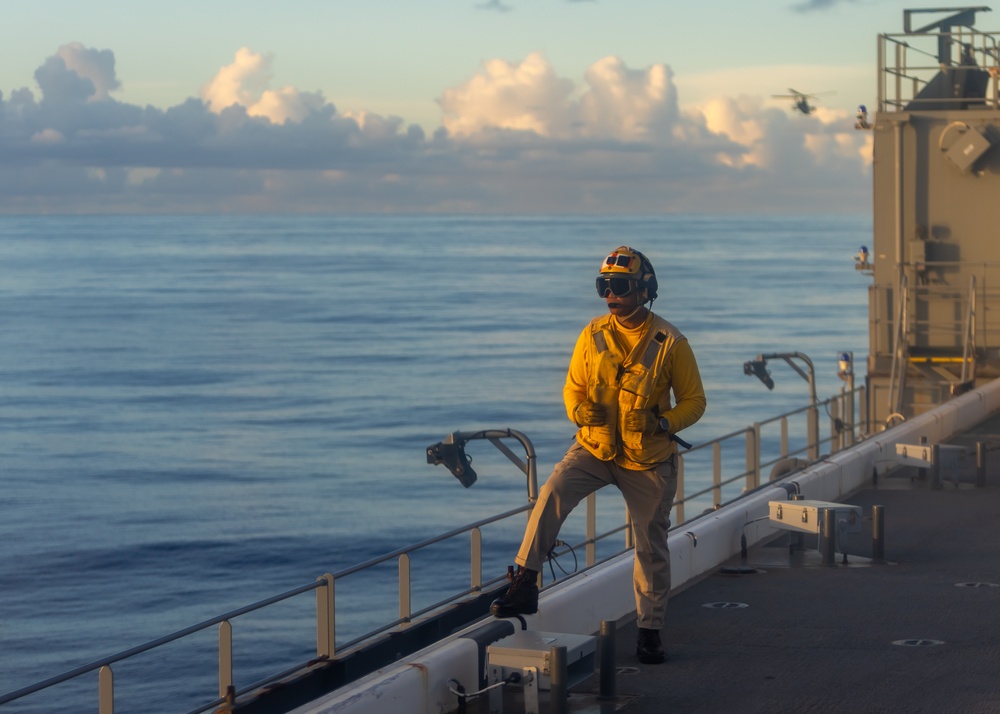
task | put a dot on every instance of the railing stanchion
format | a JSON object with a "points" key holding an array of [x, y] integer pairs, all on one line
{"points": [[836, 433], [813, 422], [405, 608], [105, 691], [476, 559], [326, 628], [716, 474], [863, 407], [680, 498], [225, 657], [849, 412], [591, 529]]}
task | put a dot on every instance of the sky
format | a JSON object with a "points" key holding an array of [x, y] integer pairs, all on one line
{"points": [[470, 106]]}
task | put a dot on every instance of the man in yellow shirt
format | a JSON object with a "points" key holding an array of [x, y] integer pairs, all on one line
{"points": [[618, 391]]}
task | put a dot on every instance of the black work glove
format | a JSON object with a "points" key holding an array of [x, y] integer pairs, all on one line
{"points": [[642, 420], [591, 414]]}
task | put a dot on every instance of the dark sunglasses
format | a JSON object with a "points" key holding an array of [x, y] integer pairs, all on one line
{"points": [[619, 287]]}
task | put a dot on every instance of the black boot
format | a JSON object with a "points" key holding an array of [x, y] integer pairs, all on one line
{"points": [[521, 597], [648, 648]]}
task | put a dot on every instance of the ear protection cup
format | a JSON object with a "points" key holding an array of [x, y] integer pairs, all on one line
{"points": [[648, 277]]}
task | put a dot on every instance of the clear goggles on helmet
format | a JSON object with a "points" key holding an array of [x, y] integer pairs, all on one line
{"points": [[619, 287]]}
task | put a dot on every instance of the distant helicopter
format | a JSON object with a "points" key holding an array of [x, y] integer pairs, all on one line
{"points": [[801, 102]]}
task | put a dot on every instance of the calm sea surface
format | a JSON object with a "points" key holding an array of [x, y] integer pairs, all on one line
{"points": [[198, 413]]}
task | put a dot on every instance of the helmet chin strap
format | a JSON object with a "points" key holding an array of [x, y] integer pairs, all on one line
{"points": [[629, 316], [638, 307]]}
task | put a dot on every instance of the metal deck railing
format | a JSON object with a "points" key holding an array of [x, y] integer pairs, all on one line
{"points": [[910, 61], [730, 465]]}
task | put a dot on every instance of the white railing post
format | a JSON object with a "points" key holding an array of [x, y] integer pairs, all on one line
{"points": [[850, 415], [680, 489], [225, 658], [591, 529], [716, 474], [863, 408], [753, 456], [847, 409], [813, 439], [405, 607], [326, 628], [835, 434], [105, 691], [476, 559]]}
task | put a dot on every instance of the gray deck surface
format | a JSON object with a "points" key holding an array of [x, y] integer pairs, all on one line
{"points": [[821, 638]]}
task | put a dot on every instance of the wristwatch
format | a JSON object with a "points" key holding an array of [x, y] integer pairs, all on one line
{"points": [[664, 424]]}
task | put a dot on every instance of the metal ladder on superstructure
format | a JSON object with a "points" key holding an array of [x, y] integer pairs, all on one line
{"points": [[932, 369]]}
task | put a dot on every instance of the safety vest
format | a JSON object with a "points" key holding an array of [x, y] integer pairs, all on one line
{"points": [[623, 382]]}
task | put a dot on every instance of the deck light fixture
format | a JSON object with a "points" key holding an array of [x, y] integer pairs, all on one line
{"points": [[758, 368], [451, 453]]}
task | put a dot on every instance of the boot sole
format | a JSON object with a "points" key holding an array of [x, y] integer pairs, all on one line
{"points": [[500, 611]]}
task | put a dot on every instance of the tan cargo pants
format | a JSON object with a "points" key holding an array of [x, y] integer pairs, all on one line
{"points": [[649, 495]]}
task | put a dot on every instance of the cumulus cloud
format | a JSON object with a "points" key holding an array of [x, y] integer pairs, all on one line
{"points": [[245, 83], [77, 73], [515, 136], [506, 95], [628, 104], [640, 108], [241, 82], [616, 102]]}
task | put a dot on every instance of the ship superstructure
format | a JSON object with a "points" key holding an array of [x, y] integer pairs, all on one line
{"points": [[933, 307]]}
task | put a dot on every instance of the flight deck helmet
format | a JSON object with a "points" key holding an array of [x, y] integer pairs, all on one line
{"points": [[625, 270]]}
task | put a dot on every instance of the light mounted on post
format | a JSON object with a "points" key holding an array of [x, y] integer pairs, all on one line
{"points": [[453, 456], [758, 368], [451, 453], [845, 365]]}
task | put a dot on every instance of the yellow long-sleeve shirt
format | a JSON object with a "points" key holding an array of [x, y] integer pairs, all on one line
{"points": [[626, 369]]}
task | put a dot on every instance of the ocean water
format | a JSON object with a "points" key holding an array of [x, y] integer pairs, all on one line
{"points": [[197, 413]]}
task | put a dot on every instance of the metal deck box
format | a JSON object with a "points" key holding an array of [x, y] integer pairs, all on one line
{"points": [[807, 516]]}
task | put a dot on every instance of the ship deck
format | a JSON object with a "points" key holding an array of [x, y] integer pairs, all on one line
{"points": [[919, 632]]}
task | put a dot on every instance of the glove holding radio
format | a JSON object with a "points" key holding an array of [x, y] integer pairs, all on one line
{"points": [[591, 414]]}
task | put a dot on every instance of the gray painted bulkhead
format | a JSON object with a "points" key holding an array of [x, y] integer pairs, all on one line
{"points": [[934, 305]]}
